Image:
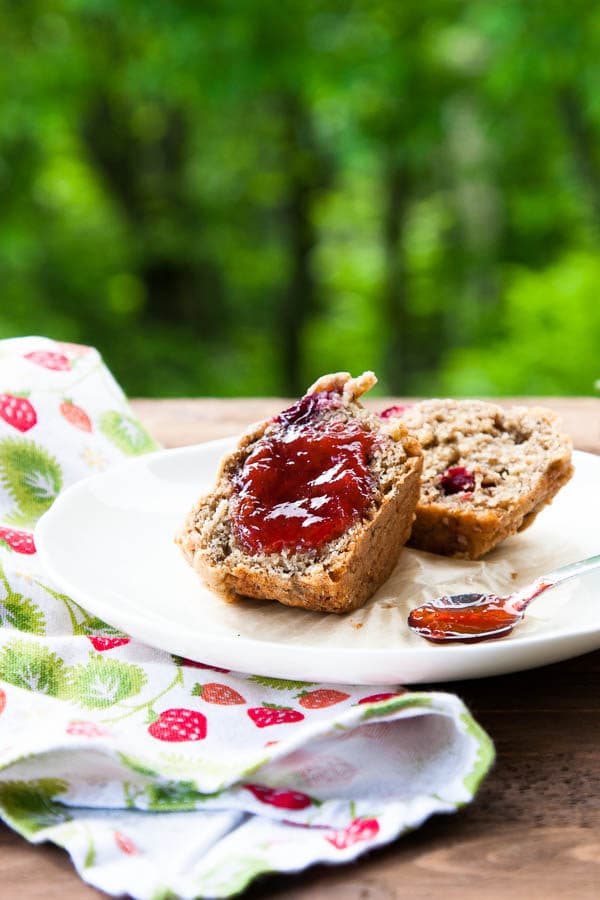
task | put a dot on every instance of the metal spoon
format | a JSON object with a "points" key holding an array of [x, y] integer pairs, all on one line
{"points": [[479, 617]]}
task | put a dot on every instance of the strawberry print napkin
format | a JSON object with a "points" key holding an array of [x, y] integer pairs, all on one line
{"points": [[164, 777]]}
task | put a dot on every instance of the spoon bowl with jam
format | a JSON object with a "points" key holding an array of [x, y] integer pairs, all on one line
{"points": [[481, 617]]}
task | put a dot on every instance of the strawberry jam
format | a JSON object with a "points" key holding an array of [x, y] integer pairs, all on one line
{"points": [[309, 407], [305, 483], [486, 616], [472, 617]]}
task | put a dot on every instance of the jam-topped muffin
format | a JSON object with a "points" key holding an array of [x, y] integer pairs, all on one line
{"points": [[313, 506], [487, 472]]}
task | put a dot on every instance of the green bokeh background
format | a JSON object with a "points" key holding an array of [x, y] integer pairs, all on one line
{"points": [[231, 197]]}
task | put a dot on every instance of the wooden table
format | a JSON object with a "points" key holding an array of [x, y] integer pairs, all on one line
{"points": [[533, 832]]}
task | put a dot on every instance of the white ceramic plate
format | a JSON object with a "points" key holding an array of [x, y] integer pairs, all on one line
{"points": [[108, 542]]}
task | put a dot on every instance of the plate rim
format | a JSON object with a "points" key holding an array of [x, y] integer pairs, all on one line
{"points": [[46, 525]]}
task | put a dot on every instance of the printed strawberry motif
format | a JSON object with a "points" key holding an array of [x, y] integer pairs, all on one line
{"points": [[177, 725], [321, 698], [184, 661], [2, 701], [205, 666], [17, 411], [67, 347], [57, 362], [265, 716], [19, 541], [213, 692], [75, 415], [125, 844], [282, 799], [80, 728], [358, 830], [302, 824], [101, 643], [376, 698]]}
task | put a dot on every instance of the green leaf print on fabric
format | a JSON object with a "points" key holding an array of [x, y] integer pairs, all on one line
{"points": [[163, 893], [32, 478], [103, 682], [126, 433], [173, 795], [232, 876], [93, 625], [34, 667], [22, 613], [29, 805], [485, 754], [392, 706], [137, 765], [81, 621], [279, 684]]}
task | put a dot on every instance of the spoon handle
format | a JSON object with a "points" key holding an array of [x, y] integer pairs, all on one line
{"points": [[522, 598]]}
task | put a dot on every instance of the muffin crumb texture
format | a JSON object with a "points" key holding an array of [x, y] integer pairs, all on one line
{"points": [[487, 472], [343, 573]]}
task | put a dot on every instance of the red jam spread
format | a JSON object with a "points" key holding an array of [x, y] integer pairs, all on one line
{"points": [[487, 617], [309, 407], [305, 483]]}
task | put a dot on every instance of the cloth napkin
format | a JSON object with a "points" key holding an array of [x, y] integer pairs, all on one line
{"points": [[163, 777]]}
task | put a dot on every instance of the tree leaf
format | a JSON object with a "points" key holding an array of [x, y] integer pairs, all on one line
{"points": [[32, 477], [34, 667], [103, 682]]}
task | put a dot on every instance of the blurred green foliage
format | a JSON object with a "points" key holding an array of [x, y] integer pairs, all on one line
{"points": [[234, 196]]}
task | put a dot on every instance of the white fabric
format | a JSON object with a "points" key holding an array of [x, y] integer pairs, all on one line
{"points": [[163, 777]]}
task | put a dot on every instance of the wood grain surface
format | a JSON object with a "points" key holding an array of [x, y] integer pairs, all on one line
{"points": [[533, 832]]}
